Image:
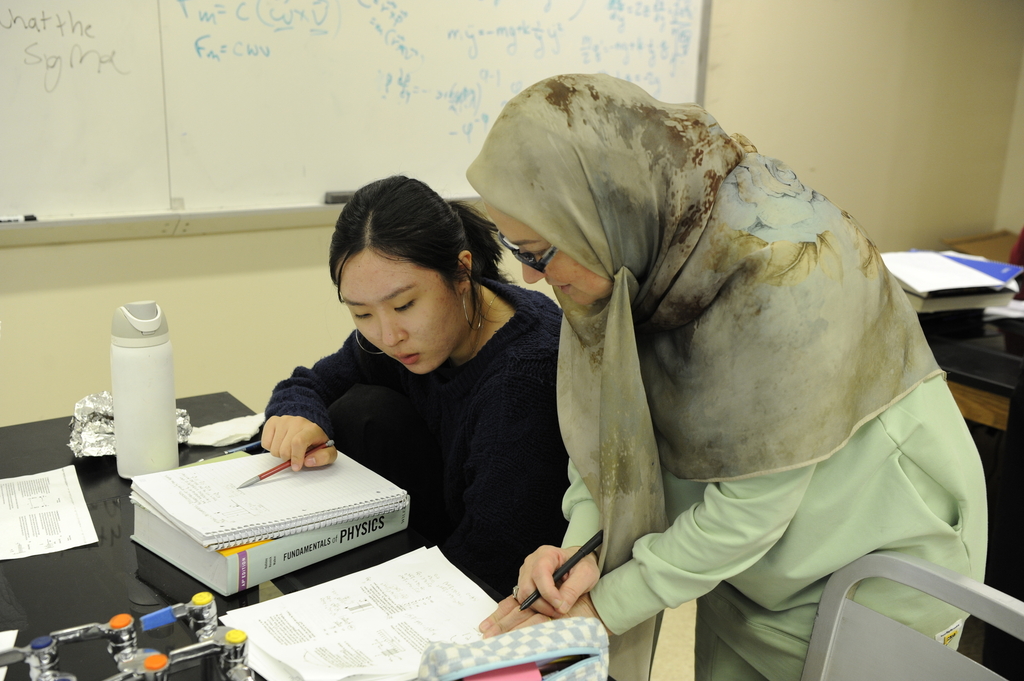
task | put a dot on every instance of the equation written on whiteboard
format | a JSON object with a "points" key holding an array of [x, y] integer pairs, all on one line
{"points": [[468, 70], [55, 44], [637, 41], [261, 20]]}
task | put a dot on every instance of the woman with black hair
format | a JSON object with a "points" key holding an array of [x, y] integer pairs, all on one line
{"points": [[447, 386]]}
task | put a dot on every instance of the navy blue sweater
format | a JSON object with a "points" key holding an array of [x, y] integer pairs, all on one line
{"points": [[495, 420]]}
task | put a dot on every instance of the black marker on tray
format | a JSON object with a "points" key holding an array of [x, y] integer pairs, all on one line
{"points": [[337, 197]]}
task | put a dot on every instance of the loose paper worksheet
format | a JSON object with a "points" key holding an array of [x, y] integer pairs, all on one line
{"points": [[43, 513], [375, 622]]}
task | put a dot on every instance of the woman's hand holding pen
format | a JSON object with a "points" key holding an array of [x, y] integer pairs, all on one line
{"points": [[290, 437], [572, 597]]}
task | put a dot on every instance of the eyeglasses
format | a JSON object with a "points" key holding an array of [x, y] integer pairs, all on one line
{"points": [[529, 259]]}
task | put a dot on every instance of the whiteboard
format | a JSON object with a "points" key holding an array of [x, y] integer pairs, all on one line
{"points": [[179, 107]]}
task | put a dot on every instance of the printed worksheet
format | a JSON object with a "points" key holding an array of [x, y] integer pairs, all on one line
{"points": [[374, 623], [43, 513]]}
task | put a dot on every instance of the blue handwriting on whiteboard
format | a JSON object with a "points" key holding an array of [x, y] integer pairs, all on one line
{"points": [[465, 101], [204, 49], [624, 52], [547, 38], [385, 23], [315, 17], [663, 14], [467, 128], [457, 98]]}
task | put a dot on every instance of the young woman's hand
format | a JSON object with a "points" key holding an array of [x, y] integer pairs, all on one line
{"points": [[290, 437], [570, 598], [508, 617]]}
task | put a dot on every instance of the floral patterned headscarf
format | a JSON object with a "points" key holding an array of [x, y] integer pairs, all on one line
{"points": [[752, 327]]}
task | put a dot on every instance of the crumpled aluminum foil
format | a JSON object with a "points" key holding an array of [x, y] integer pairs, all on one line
{"points": [[92, 426]]}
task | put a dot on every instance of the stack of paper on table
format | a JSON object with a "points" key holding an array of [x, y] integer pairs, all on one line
{"points": [[232, 539], [372, 624], [952, 281]]}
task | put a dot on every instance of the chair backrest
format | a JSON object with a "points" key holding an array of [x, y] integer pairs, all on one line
{"points": [[850, 641]]}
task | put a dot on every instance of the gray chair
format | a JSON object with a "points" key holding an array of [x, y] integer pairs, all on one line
{"points": [[851, 641]]}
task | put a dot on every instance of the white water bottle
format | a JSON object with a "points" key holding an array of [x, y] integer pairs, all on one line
{"points": [[142, 382]]}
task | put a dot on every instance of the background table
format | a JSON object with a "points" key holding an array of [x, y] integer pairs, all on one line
{"points": [[41, 594], [982, 361]]}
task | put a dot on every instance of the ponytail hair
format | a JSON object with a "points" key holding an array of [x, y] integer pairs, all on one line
{"points": [[482, 242], [404, 219]]}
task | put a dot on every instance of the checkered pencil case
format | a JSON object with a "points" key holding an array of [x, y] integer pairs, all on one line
{"points": [[568, 649]]}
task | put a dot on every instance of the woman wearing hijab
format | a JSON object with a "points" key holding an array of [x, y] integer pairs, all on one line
{"points": [[745, 393]]}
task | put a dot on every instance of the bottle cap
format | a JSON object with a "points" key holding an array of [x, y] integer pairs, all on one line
{"points": [[140, 324]]}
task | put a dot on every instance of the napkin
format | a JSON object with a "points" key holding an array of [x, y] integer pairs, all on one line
{"points": [[227, 432]]}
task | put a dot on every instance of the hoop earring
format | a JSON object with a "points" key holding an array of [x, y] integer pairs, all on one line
{"points": [[369, 352]]}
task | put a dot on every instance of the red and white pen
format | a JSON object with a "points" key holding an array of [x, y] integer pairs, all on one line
{"points": [[281, 466]]}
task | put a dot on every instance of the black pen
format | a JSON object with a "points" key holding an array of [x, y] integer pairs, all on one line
{"points": [[564, 568]]}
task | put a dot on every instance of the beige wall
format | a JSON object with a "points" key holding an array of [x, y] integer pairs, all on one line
{"points": [[244, 309], [898, 111], [907, 114], [1010, 215]]}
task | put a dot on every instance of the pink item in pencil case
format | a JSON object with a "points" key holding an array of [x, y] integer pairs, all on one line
{"points": [[568, 649]]}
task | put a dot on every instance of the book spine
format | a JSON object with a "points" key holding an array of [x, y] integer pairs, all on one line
{"points": [[287, 554]]}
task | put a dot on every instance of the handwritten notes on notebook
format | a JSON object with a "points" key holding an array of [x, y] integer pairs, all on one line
{"points": [[372, 624], [205, 502], [43, 513]]}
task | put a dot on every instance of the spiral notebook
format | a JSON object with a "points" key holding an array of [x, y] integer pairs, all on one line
{"points": [[205, 502]]}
